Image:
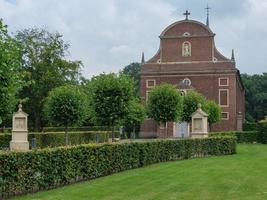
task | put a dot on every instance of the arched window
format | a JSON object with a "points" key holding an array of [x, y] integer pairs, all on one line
{"points": [[186, 49]]}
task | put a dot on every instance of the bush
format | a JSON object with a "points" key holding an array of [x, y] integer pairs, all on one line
{"points": [[49, 168], [44, 140], [242, 137], [262, 129], [250, 126]]}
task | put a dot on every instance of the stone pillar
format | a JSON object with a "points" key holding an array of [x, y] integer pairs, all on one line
{"points": [[199, 123], [19, 140], [239, 122]]}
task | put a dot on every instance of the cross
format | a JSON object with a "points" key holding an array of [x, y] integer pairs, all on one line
{"points": [[186, 14], [207, 8]]}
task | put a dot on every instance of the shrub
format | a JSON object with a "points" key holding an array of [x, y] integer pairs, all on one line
{"points": [[49, 168], [242, 136], [44, 140], [250, 126], [262, 129]]}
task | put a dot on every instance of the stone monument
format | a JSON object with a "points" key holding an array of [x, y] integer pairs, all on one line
{"points": [[199, 123], [19, 140]]}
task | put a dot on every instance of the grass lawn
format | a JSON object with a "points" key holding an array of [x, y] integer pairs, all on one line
{"points": [[241, 176]]}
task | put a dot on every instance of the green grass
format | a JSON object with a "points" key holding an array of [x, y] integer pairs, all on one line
{"points": [[241, 176]]}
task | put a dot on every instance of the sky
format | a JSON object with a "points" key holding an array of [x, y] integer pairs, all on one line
{"points": [[107, 35]]}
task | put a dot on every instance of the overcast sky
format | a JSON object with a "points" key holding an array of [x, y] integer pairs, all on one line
{"points": [[109, 34]]}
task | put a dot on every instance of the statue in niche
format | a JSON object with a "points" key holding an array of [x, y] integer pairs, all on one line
{"points": [[186, 51]]}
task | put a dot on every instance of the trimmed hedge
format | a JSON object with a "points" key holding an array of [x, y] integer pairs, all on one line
{"points": [[250, 126], [48, 168], [262, 129], [44, 140], [242, 137]]}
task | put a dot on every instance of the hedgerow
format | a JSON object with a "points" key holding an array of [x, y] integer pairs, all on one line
{"points": [[52, 167]]}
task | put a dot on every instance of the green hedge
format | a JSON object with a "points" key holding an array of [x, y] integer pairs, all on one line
{"points": [[48, 168], [262, 129], [57, 139], [250, 126], [242, 137]]}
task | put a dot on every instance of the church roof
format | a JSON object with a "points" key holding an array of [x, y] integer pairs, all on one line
{"points": [[187, 28]]}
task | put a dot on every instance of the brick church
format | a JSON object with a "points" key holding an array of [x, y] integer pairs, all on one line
{"points": [[188, 58]]}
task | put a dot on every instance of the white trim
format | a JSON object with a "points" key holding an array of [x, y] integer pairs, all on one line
{"points": [[147, 86], [227, 118], [227, 105], [227, 80]]}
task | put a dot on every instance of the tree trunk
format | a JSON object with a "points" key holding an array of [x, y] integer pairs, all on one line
{"points": [[210, 126], [66, 136]]}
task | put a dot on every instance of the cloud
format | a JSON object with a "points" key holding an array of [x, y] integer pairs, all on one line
{"points": [[109, 34]]}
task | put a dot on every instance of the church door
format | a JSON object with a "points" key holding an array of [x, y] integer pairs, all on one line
{"points": [[181, 129]]}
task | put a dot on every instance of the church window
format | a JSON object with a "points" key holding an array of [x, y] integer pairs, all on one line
{"points": [[186, 34], [215, 59], [225, 115], [224, 97], [150, 83], [186, 49], [187, 81], [223, 81], [158, 61]]}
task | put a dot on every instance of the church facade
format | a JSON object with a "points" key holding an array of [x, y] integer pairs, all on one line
{"points": [[188, 59]]}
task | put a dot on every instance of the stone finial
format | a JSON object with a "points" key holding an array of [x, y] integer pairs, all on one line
{"points": [[199, 105], [143, 58], [233, 56], [20, 107]]}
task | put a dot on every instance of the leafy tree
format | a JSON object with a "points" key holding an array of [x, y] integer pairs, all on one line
{"points": [[190, 104], [44, 61], [133, 70], [214, 112], [10, 61], [111, 96], [135, 116], [255, 96], [65, 106], [164, 104]]}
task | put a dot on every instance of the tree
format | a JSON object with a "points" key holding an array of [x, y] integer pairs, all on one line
{"points": [[190, 104], [65, 106], [135, 116], [164, 104], [10, 77], [44, 61], [255, 96], [214, 112], [111, 96], [133, 70]]}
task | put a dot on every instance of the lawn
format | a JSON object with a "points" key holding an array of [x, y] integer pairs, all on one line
{"points": [[240, 176]]}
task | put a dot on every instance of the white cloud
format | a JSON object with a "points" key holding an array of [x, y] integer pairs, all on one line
{"points": [[109, 34]]}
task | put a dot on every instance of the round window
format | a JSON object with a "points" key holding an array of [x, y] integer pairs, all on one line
{"points": [[187, 81]]}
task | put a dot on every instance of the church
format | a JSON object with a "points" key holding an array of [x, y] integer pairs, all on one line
{"points": [[188, 59]]}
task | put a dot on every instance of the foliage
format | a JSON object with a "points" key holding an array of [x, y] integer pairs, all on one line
{"points": [[47, 68], [242, 136], [135, 116], [10, 61], [133, 70], [190, 104], [255, 96], [262, 129], [65, 106], [55, 139], [164, 104], [48, 168], [111, 95], [214, 112], [250, 126]]}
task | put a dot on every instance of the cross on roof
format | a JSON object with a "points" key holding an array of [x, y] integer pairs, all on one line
{"points": [[186, 14], [208, 8]]}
